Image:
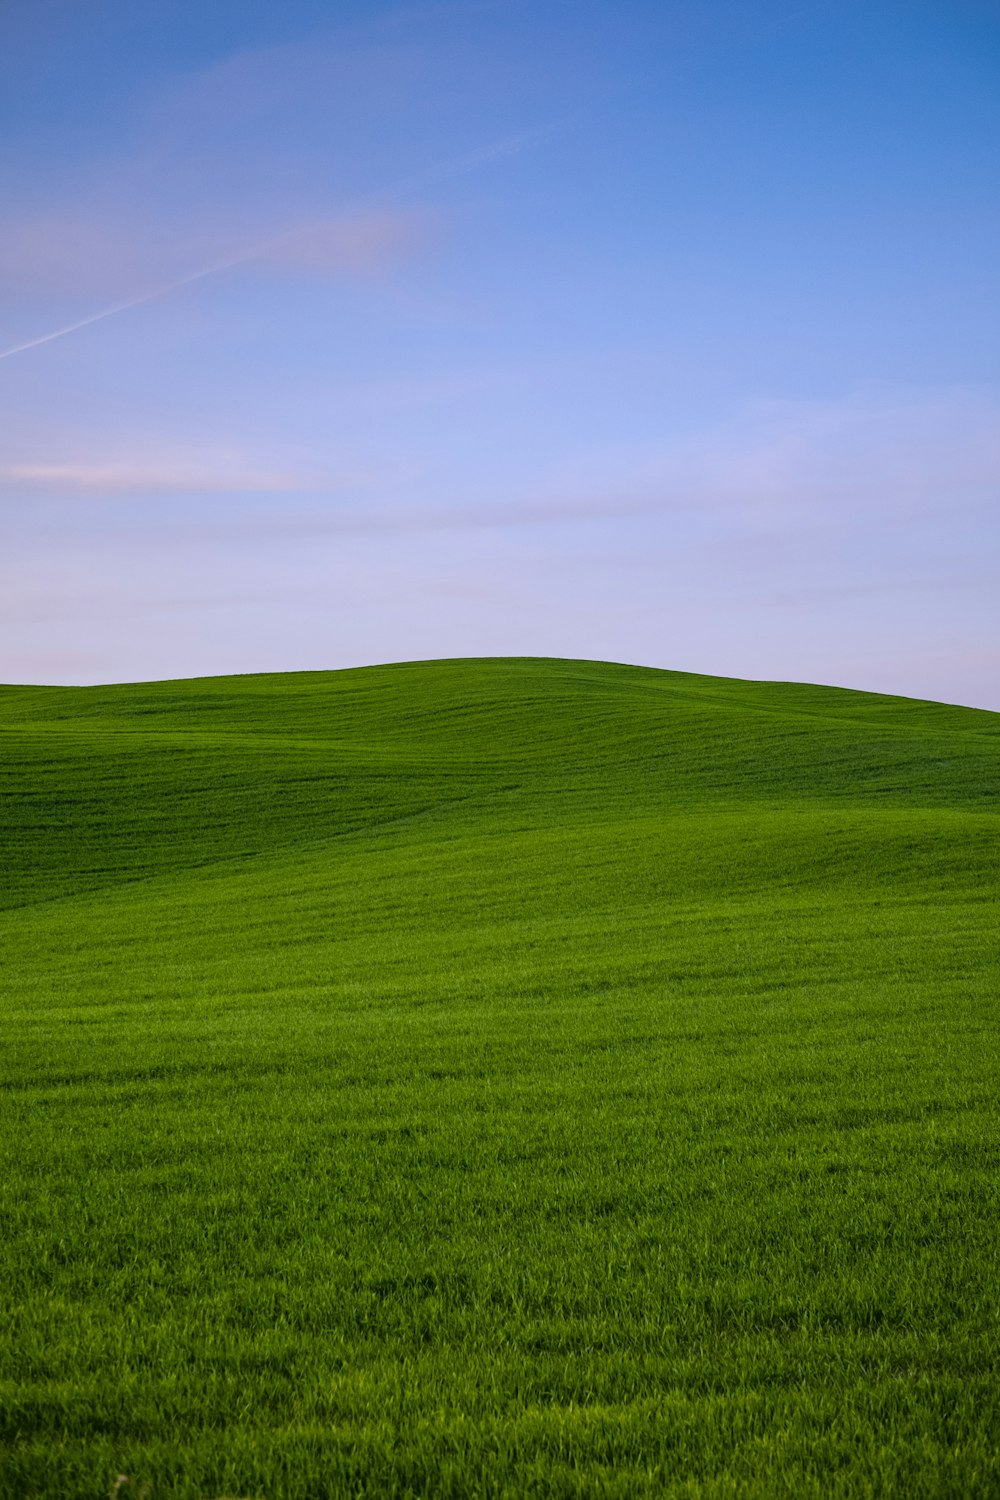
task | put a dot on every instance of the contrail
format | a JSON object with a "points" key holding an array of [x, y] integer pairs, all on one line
{"points": [[441, 172], [138, 301]]}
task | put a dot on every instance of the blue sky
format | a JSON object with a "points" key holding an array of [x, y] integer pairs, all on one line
{"points": [[657, 332]]}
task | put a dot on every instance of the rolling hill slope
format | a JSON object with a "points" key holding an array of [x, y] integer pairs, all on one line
{"points": [[498, 1077]]}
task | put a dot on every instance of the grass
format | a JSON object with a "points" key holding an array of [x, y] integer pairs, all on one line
{"points": [[498, 1078]]}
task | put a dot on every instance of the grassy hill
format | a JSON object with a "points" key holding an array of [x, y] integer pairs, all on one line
{"points": [[498, 1078]]}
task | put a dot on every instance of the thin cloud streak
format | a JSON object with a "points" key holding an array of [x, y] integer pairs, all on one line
{"points": [[430, 177], [869, 459], [141, 300], [125, 478]]}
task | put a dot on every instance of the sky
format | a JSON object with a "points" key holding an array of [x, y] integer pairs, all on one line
{"points": [[658, 331]]}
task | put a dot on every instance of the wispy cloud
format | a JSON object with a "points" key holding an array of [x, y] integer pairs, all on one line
{"points": [[166, 474], [356, 239], [874, 458], [877, 452], [797, 539], [344, 245], [73, 253]]}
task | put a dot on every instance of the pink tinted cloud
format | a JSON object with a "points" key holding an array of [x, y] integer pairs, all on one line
{"points": [[167, 472], [350, 244], [347, 245], [71, 252], [868, 458], [877, 454], [888, 452]]}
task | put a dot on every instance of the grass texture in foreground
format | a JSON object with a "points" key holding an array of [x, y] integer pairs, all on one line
{"points": [[498, 1078]]}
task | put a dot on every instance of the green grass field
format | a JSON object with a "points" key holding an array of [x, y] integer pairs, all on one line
{"points": [[498, 1078]]}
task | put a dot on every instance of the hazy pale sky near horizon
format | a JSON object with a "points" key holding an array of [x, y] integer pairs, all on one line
{"points": [[334, 333]]}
